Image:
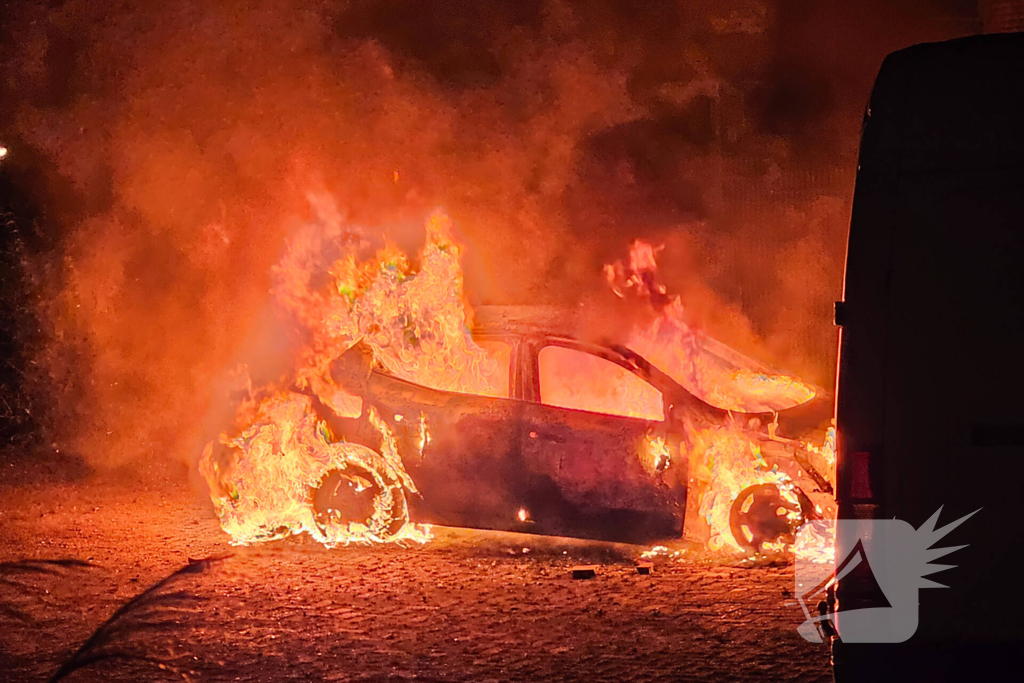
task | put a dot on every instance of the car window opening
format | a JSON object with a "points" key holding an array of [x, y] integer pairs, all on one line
{"points": [[582, 381]]}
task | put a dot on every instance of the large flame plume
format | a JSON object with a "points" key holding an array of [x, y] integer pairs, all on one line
{"points": [[412, 315], [724, 460], [171, 145], [710, 370], [414, 321]]}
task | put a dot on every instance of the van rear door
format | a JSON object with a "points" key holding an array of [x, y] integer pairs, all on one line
{"points": [[930, 399]]}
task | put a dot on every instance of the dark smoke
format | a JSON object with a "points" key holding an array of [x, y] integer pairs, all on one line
{"points": [[172, 149]]}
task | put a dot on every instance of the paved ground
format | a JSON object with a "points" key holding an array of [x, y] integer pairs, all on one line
{"points": [[470, 606]]}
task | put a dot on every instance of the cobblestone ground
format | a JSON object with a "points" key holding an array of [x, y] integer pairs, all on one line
{"points": [[470, 606]]}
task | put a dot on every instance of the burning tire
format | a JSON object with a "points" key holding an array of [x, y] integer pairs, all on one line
{"points": [[359, 498], [761, 516], [284, 473]]}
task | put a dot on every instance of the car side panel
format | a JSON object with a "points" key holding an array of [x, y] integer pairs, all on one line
{"points": [[466, 470], [586, 477]]}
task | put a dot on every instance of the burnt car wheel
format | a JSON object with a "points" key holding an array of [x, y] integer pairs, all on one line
{"points": [[359, 498], [761, 515]]}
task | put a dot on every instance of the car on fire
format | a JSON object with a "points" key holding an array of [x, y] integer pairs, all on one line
{"points": [[553, 452]]}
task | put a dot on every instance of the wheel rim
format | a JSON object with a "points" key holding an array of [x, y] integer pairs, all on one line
{"points": [[761, 515], [358, 499]]}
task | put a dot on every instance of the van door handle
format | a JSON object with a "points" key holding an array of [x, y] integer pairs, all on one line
{"points": [[839, 316]]}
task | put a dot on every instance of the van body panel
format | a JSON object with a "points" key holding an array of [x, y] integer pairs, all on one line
{"points": [[930, 387]]}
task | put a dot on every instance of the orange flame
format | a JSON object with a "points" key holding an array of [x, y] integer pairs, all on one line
{"points": [[415, 322], [706, 368], [265, 479], [724, 460], [572, 379]]}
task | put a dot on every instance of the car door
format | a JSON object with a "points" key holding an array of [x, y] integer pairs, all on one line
{"points": [[460, 449], [589, 444]]}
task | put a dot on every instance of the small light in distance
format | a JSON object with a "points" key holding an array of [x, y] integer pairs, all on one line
{"points": [[3, 151], [523, 515]]}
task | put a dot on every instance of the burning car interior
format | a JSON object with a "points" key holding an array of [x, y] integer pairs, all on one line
{"points": [[486, 341]]}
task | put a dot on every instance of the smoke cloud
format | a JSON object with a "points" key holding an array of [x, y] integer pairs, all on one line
{"points": [[178, 145]]}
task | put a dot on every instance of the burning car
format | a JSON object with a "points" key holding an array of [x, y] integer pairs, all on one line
{"points": [[415, 418]]}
